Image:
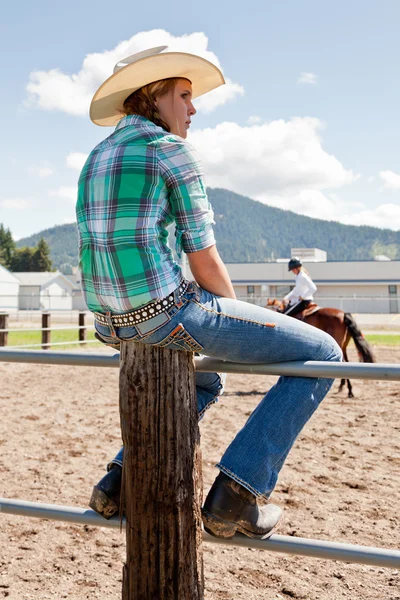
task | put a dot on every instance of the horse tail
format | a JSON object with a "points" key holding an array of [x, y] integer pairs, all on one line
{"points": [[364, 349]]}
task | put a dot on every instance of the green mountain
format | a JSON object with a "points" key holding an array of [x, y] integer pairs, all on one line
{"points": [[249, 231], [63, 243]]}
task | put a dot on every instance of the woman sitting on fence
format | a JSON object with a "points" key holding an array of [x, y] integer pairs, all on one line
{"points": [[142, 178]]}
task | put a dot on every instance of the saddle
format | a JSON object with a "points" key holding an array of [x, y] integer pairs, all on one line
{"points": [[307, 312]]}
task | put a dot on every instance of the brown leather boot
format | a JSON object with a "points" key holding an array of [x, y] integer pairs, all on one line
{"points": [[230, 507]]}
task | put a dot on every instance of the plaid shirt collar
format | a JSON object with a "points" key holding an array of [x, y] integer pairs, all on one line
{"points": [[134, 120]]}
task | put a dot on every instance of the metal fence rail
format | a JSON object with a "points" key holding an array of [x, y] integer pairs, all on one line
{"points": [[388, 372], [277, 543], [365, 555]]}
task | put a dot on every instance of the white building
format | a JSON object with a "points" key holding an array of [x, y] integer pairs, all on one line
{"points": [[78, 302], [44, 291], [353, 286], [306, 254], [9, 291], [310, 254]]}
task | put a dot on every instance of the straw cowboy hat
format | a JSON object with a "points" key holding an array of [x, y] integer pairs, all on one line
{"points": [[143, 68]]}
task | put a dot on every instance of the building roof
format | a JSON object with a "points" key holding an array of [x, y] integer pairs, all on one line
{"points": [[323, 272], [75, 279], [7, 277], [41, 279]]}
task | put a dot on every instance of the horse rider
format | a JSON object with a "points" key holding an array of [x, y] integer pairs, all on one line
{"points": [[302, 294]]}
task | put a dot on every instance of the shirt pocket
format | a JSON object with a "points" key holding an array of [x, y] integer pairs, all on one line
{"points": [[180, 339]]}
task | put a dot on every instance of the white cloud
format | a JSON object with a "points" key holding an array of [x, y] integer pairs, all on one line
{"points": [[307, 77], [40, 171], [280, 163], [65, 192], [276, 158], [314, 203], [253, 120], [15, 203], [385, 215], [390, 180], [76, 160], [218, 97], [55, 90]]}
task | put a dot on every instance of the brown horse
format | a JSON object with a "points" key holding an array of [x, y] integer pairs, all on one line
{"points": [[340, 325]]}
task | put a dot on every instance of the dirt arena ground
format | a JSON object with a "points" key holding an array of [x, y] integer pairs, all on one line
{"points": [[60, 425]]}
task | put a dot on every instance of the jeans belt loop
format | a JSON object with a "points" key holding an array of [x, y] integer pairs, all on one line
{"points": [[110, 324], [177, 298]]}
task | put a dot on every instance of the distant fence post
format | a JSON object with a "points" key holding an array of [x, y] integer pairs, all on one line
{"points": [[3, 325], [82, 329], [46, 318], [162, 481]]}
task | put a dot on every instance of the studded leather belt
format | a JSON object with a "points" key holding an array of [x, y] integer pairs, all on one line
{"points": [[144, 313]]}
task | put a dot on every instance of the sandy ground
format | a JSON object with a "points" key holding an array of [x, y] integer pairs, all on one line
{"points": [[59, 426]]}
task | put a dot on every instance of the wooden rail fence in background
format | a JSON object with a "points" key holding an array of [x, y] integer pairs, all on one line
{"points": [[46, 330]]}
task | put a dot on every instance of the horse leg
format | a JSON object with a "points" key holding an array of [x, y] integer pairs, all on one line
{"points": [[336, 323], [349, 387], [345, 359]]}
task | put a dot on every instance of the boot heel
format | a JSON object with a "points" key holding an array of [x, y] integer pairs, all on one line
{"points": [[218, 527], [102, 504]]}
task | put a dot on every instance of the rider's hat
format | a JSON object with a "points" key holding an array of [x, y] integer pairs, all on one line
{"points": [[142, 68], [294, 262]]}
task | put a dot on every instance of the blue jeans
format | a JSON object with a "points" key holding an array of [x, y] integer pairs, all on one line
{"points": [[241, 332], [209, 386]]}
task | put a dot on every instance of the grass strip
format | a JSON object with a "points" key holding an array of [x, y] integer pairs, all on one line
{"points": [[381, 339], [23, 338]]}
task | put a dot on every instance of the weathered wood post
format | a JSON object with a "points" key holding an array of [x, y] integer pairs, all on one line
{"points": [[46, 333], [82, 329], [3, 325], [162, 480]]}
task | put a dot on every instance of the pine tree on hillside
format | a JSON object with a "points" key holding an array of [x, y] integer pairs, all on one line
{"points": [[7, 247], [22, 260], [41, 260]]}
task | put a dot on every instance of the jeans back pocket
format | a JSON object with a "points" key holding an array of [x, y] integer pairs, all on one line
{"points": [[180, 339]]}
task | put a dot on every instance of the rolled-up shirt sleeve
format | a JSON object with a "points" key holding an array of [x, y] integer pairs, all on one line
{"points": [[184, 179]]}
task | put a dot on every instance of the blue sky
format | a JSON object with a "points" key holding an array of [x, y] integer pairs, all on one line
{"points": [[308, 121]]}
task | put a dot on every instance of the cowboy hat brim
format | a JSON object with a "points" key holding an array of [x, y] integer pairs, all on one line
{"points": [[106, 108]]}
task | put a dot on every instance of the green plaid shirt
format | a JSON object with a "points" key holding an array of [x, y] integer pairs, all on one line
{"points": [[134, 184]]}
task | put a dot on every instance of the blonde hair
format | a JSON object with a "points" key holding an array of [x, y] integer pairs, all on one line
{"points": [[305, 270], [142, 102]]}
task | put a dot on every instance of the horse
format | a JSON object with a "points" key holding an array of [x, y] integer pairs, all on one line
{"points": [[340, 325]]}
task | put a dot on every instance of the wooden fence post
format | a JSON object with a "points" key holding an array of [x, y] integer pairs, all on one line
{"points": [[3, 325], [162, 480], [82, 332], [46, 335]]}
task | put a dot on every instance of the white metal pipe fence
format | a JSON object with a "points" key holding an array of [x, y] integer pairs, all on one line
{"points": [[278, 543], [310, 368], [365, 555]]}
